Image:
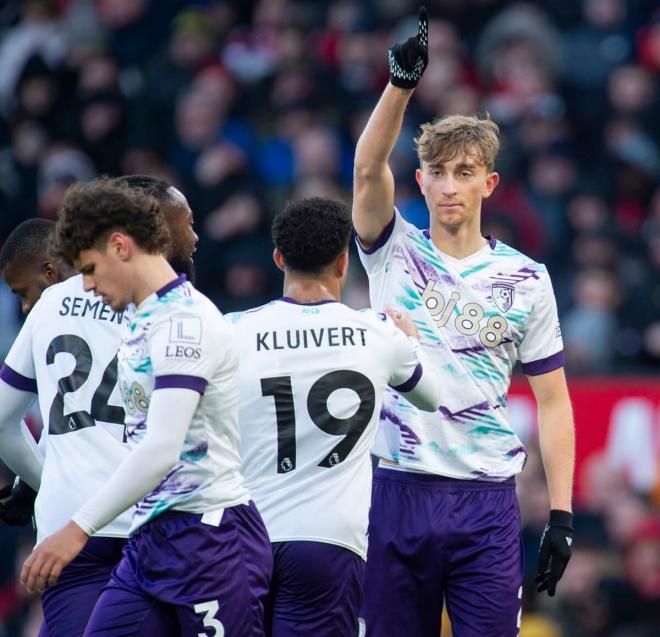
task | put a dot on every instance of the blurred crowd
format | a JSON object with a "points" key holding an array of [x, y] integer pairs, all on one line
{"points": [[244, 104]]}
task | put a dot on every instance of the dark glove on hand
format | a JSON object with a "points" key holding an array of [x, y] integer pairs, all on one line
{"points": [[555, 550], [17, 503], [408, 60]]}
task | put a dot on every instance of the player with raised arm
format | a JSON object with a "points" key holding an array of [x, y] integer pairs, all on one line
{"points": [[312, 376], [198, 546], [444, 522], [66, 352]]}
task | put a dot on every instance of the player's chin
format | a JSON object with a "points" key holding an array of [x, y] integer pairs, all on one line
{"points": [[116, 305], [450, 217]]}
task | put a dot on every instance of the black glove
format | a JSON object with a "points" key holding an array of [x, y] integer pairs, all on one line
{"points": [[408, 60], [17, 503], [555, 550]]}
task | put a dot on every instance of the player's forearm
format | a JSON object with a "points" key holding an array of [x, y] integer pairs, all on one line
{"points": [[170, 412], [377, 141], [373, 182], [18, 449], [557, 438], [20, 452], [427, 393]]}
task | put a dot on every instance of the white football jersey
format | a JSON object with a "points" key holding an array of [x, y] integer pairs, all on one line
{"points": [[312, 377], [476, 317], [177, 338], [67, 353]]}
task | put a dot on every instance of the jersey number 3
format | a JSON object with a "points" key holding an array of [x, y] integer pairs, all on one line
{"points": [[317, 405], [61, 423]]}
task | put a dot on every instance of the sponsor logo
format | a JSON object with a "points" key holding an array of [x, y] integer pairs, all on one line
{"points": [[183, 351], [186, 329]]}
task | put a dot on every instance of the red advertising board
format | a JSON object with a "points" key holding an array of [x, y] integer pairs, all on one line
{"points": [[616, 416]]}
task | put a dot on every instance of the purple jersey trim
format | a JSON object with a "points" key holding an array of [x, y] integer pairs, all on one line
{"points": [[288, 299], [381, 240], [181, 381], [545, 365], [16, 380], [411, 383], [180, 280]]}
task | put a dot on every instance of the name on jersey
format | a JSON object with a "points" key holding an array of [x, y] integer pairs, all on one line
{"points": [[87, 308], [307, 338]]}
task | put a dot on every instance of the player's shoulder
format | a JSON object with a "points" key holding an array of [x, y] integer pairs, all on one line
{"points": [[503, 254], [257, 313], [54, 293], [65, 298], [377, 322]]}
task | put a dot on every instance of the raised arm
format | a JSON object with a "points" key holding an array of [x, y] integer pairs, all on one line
{"points": [[373, 182]]}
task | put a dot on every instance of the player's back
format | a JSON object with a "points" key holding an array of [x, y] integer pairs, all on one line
{"points": [[311, 383], [69, 346]]}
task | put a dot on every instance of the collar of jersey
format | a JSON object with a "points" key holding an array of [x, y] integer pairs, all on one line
{"points": [[175, 283], [492, 242], [288, 299]]}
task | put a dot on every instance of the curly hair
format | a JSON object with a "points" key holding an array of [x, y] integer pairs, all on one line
{"points": [[445, 138], [91, 211], [312, 233]]}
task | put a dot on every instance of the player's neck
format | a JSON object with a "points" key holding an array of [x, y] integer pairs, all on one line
{"points": [[311, 290], [458, 241], [150, 274]]}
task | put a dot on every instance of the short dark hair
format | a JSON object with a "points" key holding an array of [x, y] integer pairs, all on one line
{"points": [[28, 241], [92, 210], [157, 188], [311, 233]]}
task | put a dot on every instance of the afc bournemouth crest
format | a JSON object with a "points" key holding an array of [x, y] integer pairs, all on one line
{"points": [[502, 294]]}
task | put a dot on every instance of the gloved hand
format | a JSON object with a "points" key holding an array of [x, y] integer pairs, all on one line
{"points": [[17, 503], [408, 60], [555, 550]]}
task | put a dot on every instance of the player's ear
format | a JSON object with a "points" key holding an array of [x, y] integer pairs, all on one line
{"points": [[49, 273], [491, 181], [279, 259], [419, 177], [342, 264], [119, 244]]}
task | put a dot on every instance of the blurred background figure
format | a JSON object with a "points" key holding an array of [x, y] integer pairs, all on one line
{"points": [[243, 105]]}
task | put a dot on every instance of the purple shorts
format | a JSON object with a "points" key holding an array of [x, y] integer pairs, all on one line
{"points": [[202, 579], [317, 590], [434, 540], [68, 605]]}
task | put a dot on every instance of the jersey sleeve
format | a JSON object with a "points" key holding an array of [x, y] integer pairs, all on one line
{"points": [[542, 349], [413, 373], [186, 349], [407, 369], [18, 369], [376, 257]]}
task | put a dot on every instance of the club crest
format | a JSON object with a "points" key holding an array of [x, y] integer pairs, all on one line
{"points": [[502, 294]]}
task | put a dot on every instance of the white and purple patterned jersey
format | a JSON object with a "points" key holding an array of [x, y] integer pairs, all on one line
{"points": [[177, 338], [476, 317], [312, 377], [67, 353]]}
